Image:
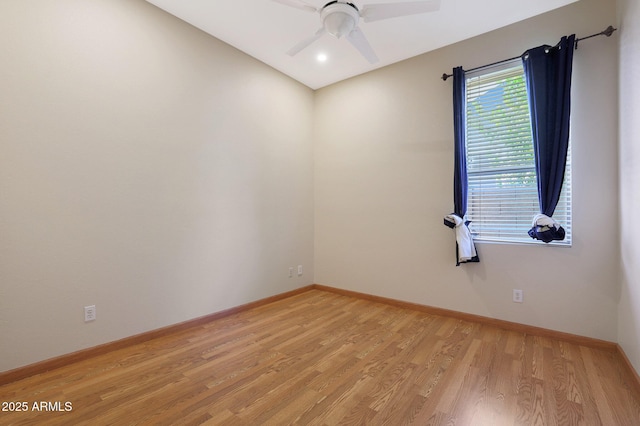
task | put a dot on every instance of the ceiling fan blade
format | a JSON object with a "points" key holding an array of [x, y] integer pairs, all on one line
{"points": [[360, 42], [376, 12], [306, 42], [298, 4]]}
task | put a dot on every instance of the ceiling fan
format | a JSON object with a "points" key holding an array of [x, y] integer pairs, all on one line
{"points": [[340, 18]]}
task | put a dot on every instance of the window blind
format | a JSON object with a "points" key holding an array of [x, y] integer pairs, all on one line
{"points": [[502, 188]]}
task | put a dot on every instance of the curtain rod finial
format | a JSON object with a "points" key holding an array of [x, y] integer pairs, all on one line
{"points": [[610, 30], [445, 76]]}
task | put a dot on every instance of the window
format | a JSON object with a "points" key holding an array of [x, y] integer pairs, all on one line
{"points": [[502, 188]]}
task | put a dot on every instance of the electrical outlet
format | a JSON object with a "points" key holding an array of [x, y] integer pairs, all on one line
{"points": [[517, 296], [290, 271], [89, 313], [299, 270]]}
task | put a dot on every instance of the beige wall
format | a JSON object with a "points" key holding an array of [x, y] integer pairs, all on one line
{"points": [[384, 177], [629, 24], [146, 168]]}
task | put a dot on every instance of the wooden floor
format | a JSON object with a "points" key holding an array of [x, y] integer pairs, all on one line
{"points": [[320, 358]]}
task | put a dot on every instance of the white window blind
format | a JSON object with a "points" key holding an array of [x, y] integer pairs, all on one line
{"points": [[502, 190]]}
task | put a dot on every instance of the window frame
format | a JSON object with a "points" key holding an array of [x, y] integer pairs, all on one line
{"points": [[515, 231]]}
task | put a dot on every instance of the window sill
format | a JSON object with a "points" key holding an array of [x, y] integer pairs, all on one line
{"points": [[524, 243]]}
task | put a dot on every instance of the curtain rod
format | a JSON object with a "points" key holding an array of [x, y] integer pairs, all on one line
{"points": [[606, 32]]}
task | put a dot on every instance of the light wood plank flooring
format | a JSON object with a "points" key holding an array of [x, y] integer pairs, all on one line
{"points": [[320, 358]]}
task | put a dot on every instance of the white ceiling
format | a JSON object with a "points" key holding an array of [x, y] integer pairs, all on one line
{"points": [[266, 30]]}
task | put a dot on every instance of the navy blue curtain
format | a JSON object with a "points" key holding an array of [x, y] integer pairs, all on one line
{"points": [[548, 77], [465, 247], [460, 128]]}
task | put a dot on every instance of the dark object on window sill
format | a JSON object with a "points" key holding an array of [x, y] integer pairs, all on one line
{"points": [[547, 234]]}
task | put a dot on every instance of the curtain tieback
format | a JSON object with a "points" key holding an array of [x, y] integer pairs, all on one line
{"points": [[546, 229]]}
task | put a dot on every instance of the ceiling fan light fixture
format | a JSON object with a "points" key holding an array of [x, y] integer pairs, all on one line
{"points": [[339, 24], [339, 19]]}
